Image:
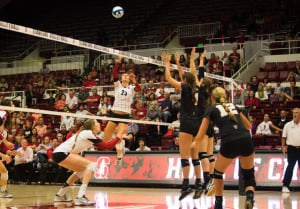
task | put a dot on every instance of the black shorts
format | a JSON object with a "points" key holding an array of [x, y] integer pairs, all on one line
{"points": [[189, 126], [59, 156], [116, 115], [210, 131], [241, 147]]}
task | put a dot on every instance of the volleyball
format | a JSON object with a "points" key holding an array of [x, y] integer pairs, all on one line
{"points": [[118, 12]]}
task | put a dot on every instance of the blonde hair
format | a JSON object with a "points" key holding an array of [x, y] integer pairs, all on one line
{"points": [[220, 95], [89, 124]]}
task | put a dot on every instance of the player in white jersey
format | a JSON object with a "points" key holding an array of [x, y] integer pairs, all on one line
{"points": [[124, 92], [5, 148], [67, 156]]}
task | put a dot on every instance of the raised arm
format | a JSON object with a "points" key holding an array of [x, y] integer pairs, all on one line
{"points": [[137, 85], [172, 81], [193, 66], [179, 66], [116, 68]]}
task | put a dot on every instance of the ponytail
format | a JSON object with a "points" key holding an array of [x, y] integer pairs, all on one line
{"points": [[230, 114], [88, 125]]}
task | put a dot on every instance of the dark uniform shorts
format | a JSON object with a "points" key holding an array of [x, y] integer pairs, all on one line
{"points": [[189, 126], [115, 115], [240, 147]]}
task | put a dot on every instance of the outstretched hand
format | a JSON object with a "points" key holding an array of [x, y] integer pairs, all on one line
{"points": [[166, 57], [120, 59], [132, 77], [193, 52], [203, 54], [177, 57]]}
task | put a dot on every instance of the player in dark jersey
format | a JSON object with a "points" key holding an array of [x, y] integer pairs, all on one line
{"points": [[188, 126], [235, 141], [204, 86]]}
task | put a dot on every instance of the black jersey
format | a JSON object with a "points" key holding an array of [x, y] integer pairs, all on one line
{"points": [[201, 72], [229, 130], [188, 107], [202, 101], [202, 95]]}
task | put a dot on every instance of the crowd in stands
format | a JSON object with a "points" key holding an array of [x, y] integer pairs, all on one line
{"points": [[270, 107], [36, 135]]}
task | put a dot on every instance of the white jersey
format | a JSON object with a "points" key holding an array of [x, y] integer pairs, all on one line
{"points": [[85, 140], [4, 134], [123, 97]]}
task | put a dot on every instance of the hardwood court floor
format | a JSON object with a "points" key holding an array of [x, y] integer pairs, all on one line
{"points": [[35, 196]]}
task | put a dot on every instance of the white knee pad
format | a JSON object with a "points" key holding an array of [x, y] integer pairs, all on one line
{"points": [[79, 174], [92, 167], [4, 176]]}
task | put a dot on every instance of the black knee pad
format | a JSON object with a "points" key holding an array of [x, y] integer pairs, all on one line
{"points": [[249, 177], [218, 174], [196, 162], [202, 155], [211, 158], [185, 163]]}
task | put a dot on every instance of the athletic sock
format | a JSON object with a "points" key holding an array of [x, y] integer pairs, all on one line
{"points": [[206, 177], [82, 190], [3, 188], [63, 190], [219, 199], [197, 182], [250, 194], [185, 183]]}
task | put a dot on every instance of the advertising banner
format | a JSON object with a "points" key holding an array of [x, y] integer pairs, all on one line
{"points": [[165, 168]]}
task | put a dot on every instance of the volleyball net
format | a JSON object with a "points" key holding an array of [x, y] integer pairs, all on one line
{"points": [[166, 124], [86, 45]]}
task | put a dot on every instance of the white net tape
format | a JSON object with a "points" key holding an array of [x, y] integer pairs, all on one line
{"points": [[47, 112], [95, 47]]}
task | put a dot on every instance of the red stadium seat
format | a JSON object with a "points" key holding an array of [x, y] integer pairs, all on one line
{"points": [[269, 67], [272, 140], [291, 65], [283, 75], [281, 66], [261, 75], [156, 148], [264, 147], [272, 76], [259, 140]]}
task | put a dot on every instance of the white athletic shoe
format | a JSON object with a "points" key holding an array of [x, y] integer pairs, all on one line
{"points": [[210, 188], [62, 199], [5, 194], [83, 201], [121, 147], [285, 189]]}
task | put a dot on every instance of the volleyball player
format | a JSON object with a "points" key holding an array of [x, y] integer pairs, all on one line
{"points": [[124, 93], [67, 156], [188, 127], [235, 141], [206, 148], [5, 148]]}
